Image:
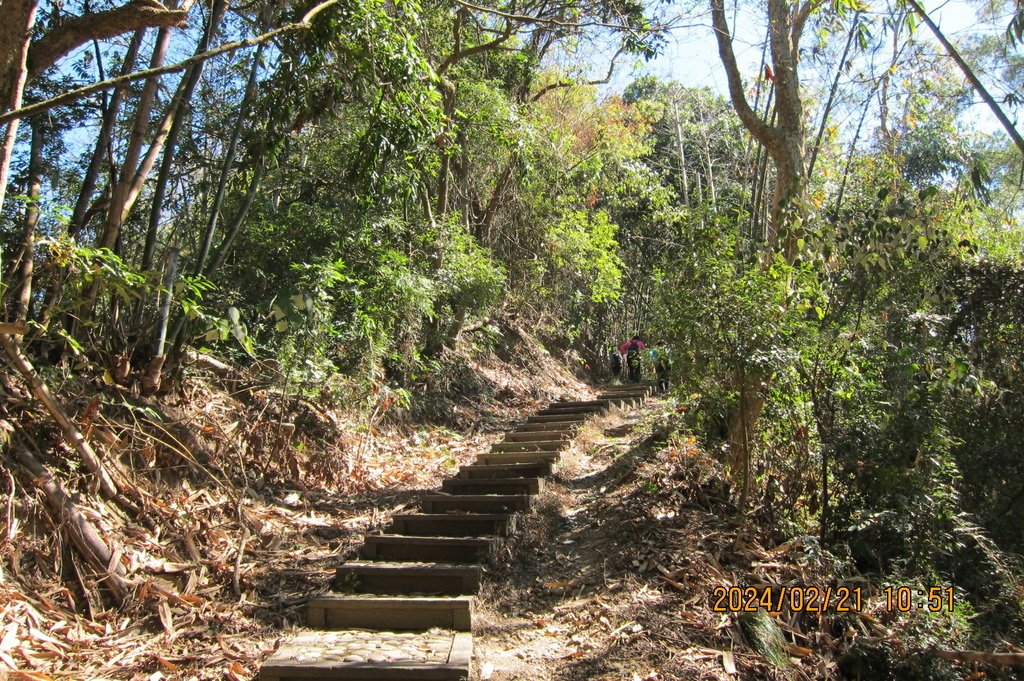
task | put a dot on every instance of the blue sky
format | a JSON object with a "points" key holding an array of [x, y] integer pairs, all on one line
{"points": [[691, 56]]}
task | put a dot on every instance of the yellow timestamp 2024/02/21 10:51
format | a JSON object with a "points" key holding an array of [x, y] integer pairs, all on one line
{"points": [[775, 598]]}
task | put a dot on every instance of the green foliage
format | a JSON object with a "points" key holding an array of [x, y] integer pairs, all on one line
{"points": [[467, 279], [95, 267], [583, 247]]}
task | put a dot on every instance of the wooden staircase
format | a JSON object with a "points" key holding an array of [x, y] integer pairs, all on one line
{"points": [[404, 611]]}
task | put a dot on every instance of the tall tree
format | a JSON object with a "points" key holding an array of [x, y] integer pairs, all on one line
{"points": [[784, 139]]}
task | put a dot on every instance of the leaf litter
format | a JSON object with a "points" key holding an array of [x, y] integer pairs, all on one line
{"points": [[613, 578], [246, 499]]}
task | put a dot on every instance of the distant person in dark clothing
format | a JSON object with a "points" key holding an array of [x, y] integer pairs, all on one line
{"points": [[615, 362], [662, 366], [632, 349]]}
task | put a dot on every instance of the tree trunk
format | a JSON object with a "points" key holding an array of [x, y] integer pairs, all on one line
{"points": [[760, 174], [24, 297], [444, 142], [711, 174], [17, 18], [84, 535], [71, 433], [122, 189], [783, 139], [181, 99], [78, 217], [229, 238], [229, 160], [741, 423], [994, 107], [682, 154], [152, 378]]}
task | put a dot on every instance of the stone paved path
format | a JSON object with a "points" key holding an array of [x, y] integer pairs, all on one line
{"points": [[404, 611]]}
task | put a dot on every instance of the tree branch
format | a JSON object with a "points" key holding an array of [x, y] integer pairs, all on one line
{"points": [[569, 83], [529, 19], [84, 534], [71, 432], [77, 31], [460, 54], [1011, 130], [758, 128], [799, 20], [1005, 659], [74, 95]]}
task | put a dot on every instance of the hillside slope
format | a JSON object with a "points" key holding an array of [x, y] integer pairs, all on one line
{"points": [[638, 565], [238, 494]]}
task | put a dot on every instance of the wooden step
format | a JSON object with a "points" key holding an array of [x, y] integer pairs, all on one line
{"points": [[451, 524], [396, 548], [507, 470], [435, 655], [493, 458], [573, 411], [626, 401], [545, 446], [641, 393], [600, 402], [566, 428], [493, 486], [475, 503], [538, 436], [575, 419], [633, 388], [407, 578], [393, 613]]}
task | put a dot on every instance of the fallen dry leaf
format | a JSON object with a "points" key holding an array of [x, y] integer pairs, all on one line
{"points": [[236, 672], [729, 662]]}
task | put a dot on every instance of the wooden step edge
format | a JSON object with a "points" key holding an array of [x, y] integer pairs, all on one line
{"points": [[298, 658], [530, 446], [542, 469], [529, 485], [566, 428], [482, 542], [391, 613], [424, 568], [569, 419], [448, 524], [493, 517], [574, 411], [391, 577], [492, 458], [538, 436], [501, 502]]}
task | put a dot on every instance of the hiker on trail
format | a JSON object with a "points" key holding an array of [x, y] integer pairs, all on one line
{"points": [[615, 362], [632, 349], [662, 364]]}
